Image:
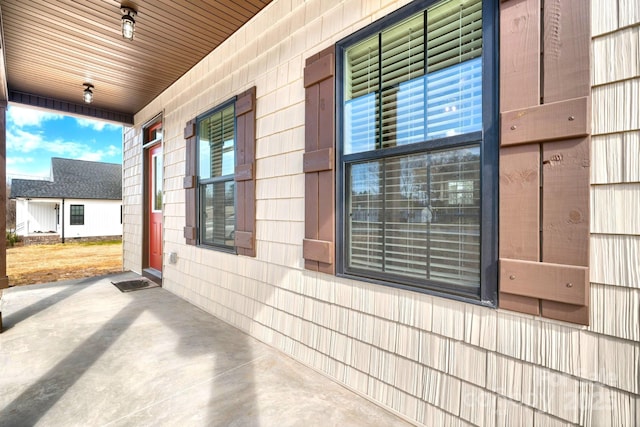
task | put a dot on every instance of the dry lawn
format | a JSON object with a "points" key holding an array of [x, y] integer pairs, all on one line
{"points": [[50, 263]]}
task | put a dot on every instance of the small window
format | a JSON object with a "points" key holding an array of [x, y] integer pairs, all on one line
{"points": [[216, 185], [413, 125], [156, 184], [152, 133], [76, 215]]}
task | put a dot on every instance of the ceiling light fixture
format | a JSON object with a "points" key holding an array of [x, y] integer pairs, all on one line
{"points": [[88, 93], [128, 23]]}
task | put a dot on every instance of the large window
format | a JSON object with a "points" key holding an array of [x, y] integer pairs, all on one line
{"points": [[76, 216], [216, 186], [414, 120]]}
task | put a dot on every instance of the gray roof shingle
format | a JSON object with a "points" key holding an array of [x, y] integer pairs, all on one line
{"points": [[74, 179]]}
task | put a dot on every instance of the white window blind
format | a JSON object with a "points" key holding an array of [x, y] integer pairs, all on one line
{"points": [[216, 153], [407, 219], [454, 33], [217, 144], [391, 100]]}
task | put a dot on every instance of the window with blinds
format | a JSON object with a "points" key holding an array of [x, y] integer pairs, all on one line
{"points": [[216, 165], [412, 191]]}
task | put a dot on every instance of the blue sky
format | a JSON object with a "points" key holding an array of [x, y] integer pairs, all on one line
{"points": [[35, 136]]}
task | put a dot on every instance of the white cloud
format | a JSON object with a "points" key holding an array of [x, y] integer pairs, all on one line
{"points": [[96, 125], [23, 167], [98, 155], [20, 141], [19, 160], [20, 116], [112, 150]]}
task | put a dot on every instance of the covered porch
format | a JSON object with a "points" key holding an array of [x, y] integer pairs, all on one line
{"points": [[37, 217], [83, 353], [52, 63]]}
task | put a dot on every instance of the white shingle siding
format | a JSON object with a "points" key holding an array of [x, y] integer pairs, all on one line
{"points": [[434, 360]]}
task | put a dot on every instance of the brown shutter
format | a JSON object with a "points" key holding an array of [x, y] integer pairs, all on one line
{"points": [[318, 163], [544, 158], [245, 177], [190, 183]]}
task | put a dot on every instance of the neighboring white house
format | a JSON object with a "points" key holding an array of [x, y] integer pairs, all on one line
{"points": [[82, 199]]}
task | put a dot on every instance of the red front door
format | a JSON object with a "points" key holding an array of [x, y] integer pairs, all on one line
{"points": [[155, 206]]}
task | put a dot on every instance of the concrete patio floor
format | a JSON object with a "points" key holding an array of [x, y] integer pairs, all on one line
{"points": [[81, 353]]}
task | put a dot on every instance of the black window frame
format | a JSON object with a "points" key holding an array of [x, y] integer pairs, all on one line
{"points": [[488, 138], [76, 218], [201, 184]]}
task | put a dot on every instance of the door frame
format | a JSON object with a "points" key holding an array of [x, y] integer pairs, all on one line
{"points": [[152, 136]]}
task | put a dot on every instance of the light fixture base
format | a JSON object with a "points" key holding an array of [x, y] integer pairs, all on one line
{"points": [[128, 10]]}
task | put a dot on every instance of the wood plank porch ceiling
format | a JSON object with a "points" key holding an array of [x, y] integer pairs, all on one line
{"points": [[53, 47]]}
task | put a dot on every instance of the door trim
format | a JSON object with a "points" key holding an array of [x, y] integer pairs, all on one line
{"points": [[147, 271]]}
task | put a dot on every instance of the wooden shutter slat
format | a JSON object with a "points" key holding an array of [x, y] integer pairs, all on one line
{"points": [[318, 250], [240, 207], [326, 115], [567, 44], [189, 183], [244, 103], [189, 233], [241, 137], [520, 203], [311, 124], [519, 226], [520, 304], [190, 129], [250, 211], [565, 214], [566, 312], [318, 159], [320, 69], [244, 239], [552, 282], [244, 173], [311, 205], [562, 120], [566, 217], [520, 34], [520, 54], [325, 205]]}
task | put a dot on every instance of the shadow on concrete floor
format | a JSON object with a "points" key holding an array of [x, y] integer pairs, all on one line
{"points": [[83, 353]]}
